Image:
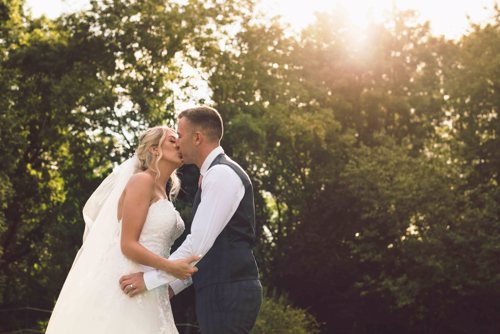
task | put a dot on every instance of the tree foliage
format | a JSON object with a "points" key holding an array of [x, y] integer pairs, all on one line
{"points": [[76, 92], [278, 316], [370, 213]]}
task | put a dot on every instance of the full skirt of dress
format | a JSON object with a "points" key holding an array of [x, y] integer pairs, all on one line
{"points": [[91, 300]]}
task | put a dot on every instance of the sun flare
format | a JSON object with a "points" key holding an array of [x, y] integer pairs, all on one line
{"points": [[447, 17]]}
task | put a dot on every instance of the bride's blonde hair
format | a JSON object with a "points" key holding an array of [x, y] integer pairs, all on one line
{"points": [[154, 137]]}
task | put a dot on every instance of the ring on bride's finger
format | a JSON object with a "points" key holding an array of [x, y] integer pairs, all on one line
{"points": [[132, 286]]}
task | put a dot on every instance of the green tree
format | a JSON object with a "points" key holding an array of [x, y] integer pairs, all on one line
{"points": [[384, 81], [357, 174], [77, 91], [472, 85], [278, 316], [11, 22]]}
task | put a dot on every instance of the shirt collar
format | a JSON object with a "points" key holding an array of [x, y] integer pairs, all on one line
{"points": [[210, 158]]}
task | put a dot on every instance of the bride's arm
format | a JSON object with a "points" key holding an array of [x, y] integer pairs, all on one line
{"points": [[136, 202]]}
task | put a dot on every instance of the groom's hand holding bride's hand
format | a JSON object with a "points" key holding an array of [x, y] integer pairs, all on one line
{"points": [[133, 284], [182, 268]]}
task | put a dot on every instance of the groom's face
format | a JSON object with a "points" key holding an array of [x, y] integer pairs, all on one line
{"points": [[185, 140]]}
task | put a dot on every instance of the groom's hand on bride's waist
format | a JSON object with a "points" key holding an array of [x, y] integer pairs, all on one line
{"points": [[133, 284]]}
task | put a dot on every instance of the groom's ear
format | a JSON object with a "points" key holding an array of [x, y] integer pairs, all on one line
{"points": [[198, 137]]}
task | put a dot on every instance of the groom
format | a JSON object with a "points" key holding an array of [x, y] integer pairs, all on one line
{"points": [[227, 287]]}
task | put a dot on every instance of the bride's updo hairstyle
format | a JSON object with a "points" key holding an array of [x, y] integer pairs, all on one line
{"points": [[154, 137]]}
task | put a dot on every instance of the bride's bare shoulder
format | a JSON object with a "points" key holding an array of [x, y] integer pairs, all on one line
{"points": [[139, 187], [141, 180]]}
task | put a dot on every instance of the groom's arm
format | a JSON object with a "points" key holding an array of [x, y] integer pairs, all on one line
{"points": [[222, 192]]}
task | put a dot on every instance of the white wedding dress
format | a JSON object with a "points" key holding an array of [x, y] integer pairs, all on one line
{"points": [[91, 301]]}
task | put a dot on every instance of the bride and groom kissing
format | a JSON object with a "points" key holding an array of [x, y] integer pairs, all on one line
{"points": [[123, 277]]}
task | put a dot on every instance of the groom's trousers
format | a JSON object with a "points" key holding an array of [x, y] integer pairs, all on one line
{"points": [[225, 308]]}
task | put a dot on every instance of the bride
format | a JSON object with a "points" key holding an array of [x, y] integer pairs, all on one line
{"points": [[130, 225]]}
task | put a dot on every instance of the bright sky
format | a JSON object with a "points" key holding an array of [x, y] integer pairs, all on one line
{"points": [[447, 17]]}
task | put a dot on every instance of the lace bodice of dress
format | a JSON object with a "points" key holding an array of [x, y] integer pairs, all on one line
{"points": [[162, 226]]}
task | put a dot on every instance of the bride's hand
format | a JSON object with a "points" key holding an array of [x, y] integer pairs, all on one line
{"points": [[182, 268]]}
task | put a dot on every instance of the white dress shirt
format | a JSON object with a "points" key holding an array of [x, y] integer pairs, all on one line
{"points": [[222, 192]]}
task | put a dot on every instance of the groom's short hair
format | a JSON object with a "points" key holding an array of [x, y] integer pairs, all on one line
{"points": [[206, 118]]}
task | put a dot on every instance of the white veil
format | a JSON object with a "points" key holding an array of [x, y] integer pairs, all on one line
{"points": [[100, 210]]}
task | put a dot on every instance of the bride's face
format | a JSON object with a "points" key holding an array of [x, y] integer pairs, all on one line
{"points": [[170, 151]]}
